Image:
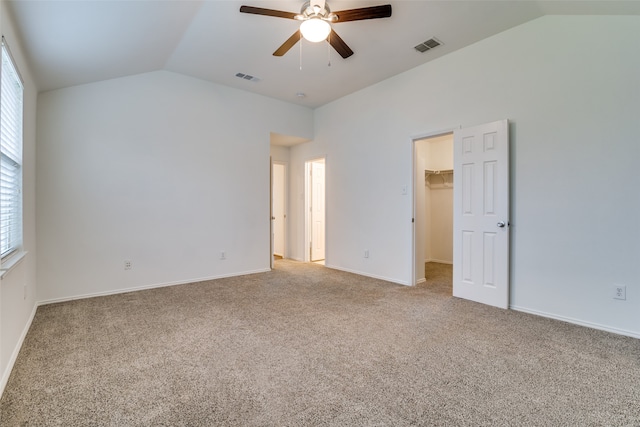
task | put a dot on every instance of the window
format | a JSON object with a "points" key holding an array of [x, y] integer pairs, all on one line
{"points": [[11, 91]]}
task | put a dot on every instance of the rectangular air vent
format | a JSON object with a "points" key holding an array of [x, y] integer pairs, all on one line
{"points": [[428, 45], [247, 77]]}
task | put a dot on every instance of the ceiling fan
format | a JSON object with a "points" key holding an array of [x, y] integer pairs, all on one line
{"points": [[316, 23]]}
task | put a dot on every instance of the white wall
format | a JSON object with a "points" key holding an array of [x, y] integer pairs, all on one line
{"points": [[440, 153], [280, 154], [160, 169], [573, 107], [16, 311], [441, 226]]}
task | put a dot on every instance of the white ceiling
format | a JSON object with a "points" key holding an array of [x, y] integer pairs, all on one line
{"points": [[82, 41]]}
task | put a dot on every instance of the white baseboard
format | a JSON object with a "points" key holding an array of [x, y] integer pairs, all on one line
{"points": [[579, 322], [146, 287], [420, 281], [360, 273], [14, 355]]}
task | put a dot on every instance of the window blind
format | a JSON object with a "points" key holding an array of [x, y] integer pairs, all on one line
{"points": [[11, 92]]}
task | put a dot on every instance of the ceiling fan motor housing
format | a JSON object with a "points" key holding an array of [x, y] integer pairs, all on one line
{"points": [[313, 10]]}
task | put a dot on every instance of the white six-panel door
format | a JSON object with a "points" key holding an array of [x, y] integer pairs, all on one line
{"points": [[481, 214]]}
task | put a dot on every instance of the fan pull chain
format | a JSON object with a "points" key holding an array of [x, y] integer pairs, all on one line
{"points": [[300, 51], [329, 50]]}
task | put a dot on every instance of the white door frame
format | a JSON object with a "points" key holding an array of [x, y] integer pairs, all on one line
{"points": [[307, 206], [414, 167]]}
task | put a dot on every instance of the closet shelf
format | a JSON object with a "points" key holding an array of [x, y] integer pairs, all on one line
{"points": [[444, 180], [428, 172]]}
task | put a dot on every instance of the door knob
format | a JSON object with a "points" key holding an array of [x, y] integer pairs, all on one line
{"points": [[501, 224]]}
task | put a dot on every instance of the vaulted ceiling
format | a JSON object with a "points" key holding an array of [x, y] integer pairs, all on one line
{"points": [[75, 42]]}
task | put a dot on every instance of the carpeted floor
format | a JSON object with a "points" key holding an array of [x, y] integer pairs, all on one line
{"points": [[439, 278], [304, 345]]}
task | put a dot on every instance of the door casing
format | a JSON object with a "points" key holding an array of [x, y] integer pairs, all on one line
{"points": [[504, 216]]}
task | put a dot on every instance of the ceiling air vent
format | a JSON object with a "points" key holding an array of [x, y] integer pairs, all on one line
{"points": [[428, 45], [247, 77]]}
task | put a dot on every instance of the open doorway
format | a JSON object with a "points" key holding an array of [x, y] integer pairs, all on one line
{"points": [[433, 210], [279, 211], [315, 210], [480, 224]]}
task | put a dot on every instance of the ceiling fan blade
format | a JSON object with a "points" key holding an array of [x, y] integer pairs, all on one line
{"points": [[291, 41], [267, 12], [373, 12], [339, 45]]}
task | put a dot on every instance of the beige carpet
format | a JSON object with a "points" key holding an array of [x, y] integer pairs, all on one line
{"points": [[304, 345]]}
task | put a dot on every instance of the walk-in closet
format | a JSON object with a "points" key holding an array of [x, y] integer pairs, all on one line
{"points": [[434, 201]]}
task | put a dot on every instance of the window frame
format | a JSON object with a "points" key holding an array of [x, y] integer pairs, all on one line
{"points": [[11, 162]]}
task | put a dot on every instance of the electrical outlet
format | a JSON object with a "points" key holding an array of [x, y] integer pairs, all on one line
{"points": [[223, 255], [366, 253], [619, 292], [127, 265]]}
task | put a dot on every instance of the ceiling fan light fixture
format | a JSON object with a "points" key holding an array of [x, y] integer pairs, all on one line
{"points": [[315, 29]]}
